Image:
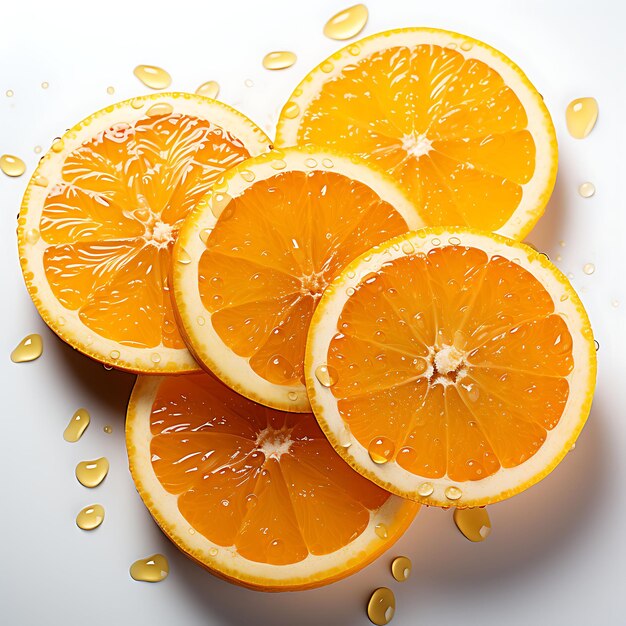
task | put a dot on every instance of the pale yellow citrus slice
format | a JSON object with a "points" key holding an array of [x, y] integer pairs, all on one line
{"points": [[456, 122], [459, 365], [101, 213], [253, 258], [255, 495]]}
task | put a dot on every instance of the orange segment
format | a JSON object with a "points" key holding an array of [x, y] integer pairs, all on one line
{"points": [[253, 262], [102, 212], [246, 490], [469, 354], [452, 119]]}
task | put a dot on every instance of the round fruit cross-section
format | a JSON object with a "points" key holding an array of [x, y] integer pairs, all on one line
{"points": [[101, 213], [459, 365], [456, 122], [254, 257], [256, 496]]}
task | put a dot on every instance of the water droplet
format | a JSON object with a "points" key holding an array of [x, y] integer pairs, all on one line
{"points": [[45, 85], [58, 144], [152, 569], [291, 110], [614, 303], [108, 429], [466, 46], [581, 116], [248, 82], [435, 241], [350, 291], [425, 490], [160, 108], [77, 426], [454, 241], [153, 76], [251, 501], [9, 93], [347, 23], [381, 606], [408, 247], [327, 375], [344, 437], [453, 493], [278, 164], [200, 320], [310, 162], [292, 395], [381, 450], [354, 50], [327, 163], [90, 517], [247, 175], [37, 149], [279, 60], [115, 354], [29, 349], [327, 67], [213, 551], [474, 524], [61, 321], [589, 268], [381, 531], [32, 235], [11, 165], [40, 181], [110, 90], [586, 190], [92, 473], [155, 358], [210, 89], [401, 568], [182, 256], [137, 103]]}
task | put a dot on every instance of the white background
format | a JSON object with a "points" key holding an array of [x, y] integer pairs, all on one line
{"points": [[556, 553]]}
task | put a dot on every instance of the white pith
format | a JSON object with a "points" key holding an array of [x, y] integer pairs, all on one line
{"points": [[65, 322], [505, 481], [535, 193]]}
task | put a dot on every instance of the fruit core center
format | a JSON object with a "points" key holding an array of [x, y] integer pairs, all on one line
{"points": [[159, 233], [312, 285], [274, 443], [448, 365], [416, 145]]}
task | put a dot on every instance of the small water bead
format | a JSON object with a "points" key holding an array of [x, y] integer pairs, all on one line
{"points": [[278, 164], [155, 358], [92, 473], [153, 76], [213, 551], [10, 93], [61, 321], [381, 450], [29, 349], [58, 145], [247, 175], [350, 291], [327, 375], [614, 303], [473, 523], [210, 89], [248, 82], [251, 501], [589, 268], [291, 110], [77, 426], [137, 103], [327, 67], [310, 163], [45, 85], [37, 149], [381, 606], [108, 429], [425, 490], [381, 531], [183, 257], [292, 395], [279, 60], [581, 116], [354, 50], [466, 46], [436, 242], [347, 23], [407, 247], [12, 165], [401, 568], [152, 569], [453, 493], [90, 517], [40, 181], [160, 108], [327, 163], [586, 190], [454, 241], [115, 354], [344, 437], [200, 320]]}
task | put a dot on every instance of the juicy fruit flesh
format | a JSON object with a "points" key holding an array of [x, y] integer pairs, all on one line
{"points": [[263, 481], [464, 356], [271, 254], [448, 128], [111, 222]]}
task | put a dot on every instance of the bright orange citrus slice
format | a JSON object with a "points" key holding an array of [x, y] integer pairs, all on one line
{"points": [[101, 213], [256, 496], [460, 366], [253, 258], [456, 122]]}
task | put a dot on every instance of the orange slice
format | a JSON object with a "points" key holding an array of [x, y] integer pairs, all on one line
{"points": [[253, 258], [460, 366], [256, 496], [101, 213], [456, 122]]}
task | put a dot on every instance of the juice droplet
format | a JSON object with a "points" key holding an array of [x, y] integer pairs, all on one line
{"points": [[347, 23], [327, 375], [310, 163], [115, 354], [247, 175], [213, 551], [41, 181], [90, 517], [401, 568], [381, 531], [327, 67], [279, 60], [474, 524], [77, 426], [152, 76], [327, 163], [344, 438], [581, 116], [160, 108], [589, 268], [425, 490], [200, 321], [108, 429], [292, 395], [110, 90], [29, 349], [92, 473], [136, 103], [152, 569], [12, 165], [278, 164], [381, 607], [586, 190], [453, 493], [381, 450], [408, 248], [156, 357], [58, 144], [183, 256], [210, 89], [10, 93], [291, 110], [466, 46]]}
